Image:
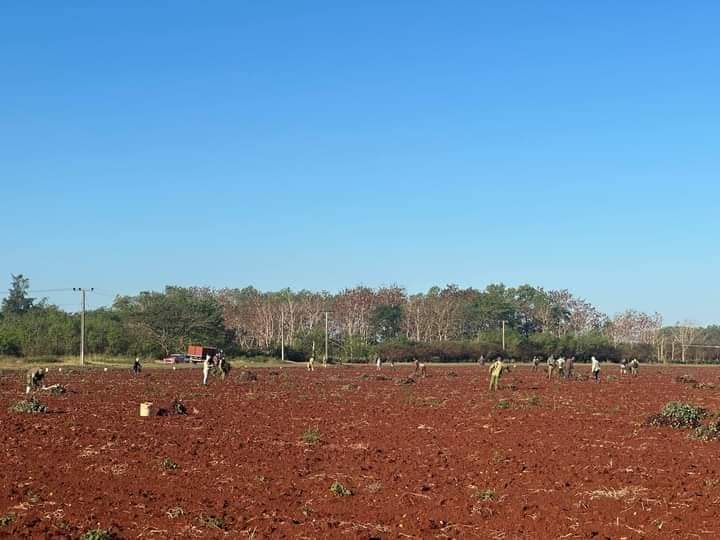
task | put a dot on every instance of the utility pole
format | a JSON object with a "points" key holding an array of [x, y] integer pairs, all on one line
{"points": [[282, 335], [326, 339], [503, 334], [82, 322]]}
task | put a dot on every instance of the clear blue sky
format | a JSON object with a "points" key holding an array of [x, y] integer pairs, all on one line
{"points": [[327, 144]]}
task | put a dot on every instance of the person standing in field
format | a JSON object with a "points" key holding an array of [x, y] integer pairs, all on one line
{"points": [[311, 364], [496, 369], [623, 367], [535, 362], [378, 363], [137, 367], [595, 369], [634, 365], [569, 363], [550, 365], [34, 379], [560, 364], [206, 369]]}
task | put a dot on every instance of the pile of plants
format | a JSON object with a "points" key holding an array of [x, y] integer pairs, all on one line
{"points": [[338, 489], [32, 405], [176, 407], [406, 380], [679, 416], [99, 534], [708, 432], [685, 379]]}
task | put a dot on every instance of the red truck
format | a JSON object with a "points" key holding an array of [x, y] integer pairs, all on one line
{"points": [[197, 353]]}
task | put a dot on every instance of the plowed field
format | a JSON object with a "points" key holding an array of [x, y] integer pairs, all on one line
{"points": [[441, 458]]}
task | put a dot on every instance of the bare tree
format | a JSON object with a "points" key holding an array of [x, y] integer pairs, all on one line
{"points": [[684, 334]]}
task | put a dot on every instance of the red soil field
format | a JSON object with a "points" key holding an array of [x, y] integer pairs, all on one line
{"points": [[435, 459]]}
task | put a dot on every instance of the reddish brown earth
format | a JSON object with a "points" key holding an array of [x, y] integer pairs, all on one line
{"points": [[566, 459]]}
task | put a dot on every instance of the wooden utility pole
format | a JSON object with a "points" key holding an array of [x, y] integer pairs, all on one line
{"points": [[282, 335], [82, 323], [326, 339], [503, 334]]}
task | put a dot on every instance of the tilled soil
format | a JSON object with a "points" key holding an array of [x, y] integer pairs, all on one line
{"points": [[441, 458]]}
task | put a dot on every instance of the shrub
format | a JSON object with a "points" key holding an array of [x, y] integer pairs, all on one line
{"points": [[311, 435], [212, 522], [99, 534], [6, 520], [168, 464], [338, 489], [679, 416], [503, 404], [487, 495], [30, 406], [709, 432]]}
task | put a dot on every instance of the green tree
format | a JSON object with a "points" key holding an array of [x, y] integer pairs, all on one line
{"points": [[386, 321], [17, 301]]}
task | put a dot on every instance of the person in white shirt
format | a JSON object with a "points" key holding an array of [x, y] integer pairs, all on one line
{"points": [[595, 369], [206, 369]]}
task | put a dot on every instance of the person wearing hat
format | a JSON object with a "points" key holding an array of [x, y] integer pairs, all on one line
{"points": [[496, 369]]}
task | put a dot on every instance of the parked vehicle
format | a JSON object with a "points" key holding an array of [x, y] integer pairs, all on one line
{"points": [[175, 359], [197, 353]]}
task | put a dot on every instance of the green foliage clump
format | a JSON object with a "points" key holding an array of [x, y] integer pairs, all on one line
{"points": [[487, 495], [709, 432], [99, 534], [311, 435], [29, 406], [212, 522], [679, 416], [6, 520], [168, 464], [58, 390], [503, 404], [338, 489]]}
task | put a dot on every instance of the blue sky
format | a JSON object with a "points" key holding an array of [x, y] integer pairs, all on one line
{"points": [[327, 144]]}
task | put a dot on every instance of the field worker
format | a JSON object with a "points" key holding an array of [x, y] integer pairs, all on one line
{"points": [[535, 362], [206, 369], [634, 365], [311, 364], [481, 360], [560, 364], [136, 366], [623, 367], [34, 379], [569, 364], [595, 369], [378, 363], [496, 369], [550, 365]]}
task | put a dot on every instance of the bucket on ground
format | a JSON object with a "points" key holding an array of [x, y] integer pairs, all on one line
{"points": [[145, 408]]}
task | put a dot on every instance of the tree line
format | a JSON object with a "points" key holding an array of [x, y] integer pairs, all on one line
{"points": [[443, 324]]}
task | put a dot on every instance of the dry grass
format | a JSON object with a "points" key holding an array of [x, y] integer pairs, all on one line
{"points": [[627, 493]]}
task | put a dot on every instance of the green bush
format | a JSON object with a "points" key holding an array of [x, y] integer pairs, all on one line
{"points": [[341, 491], [30, 406], [311, 435], [168, 464], [709, 432], [679, 416], [99, 534]]}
